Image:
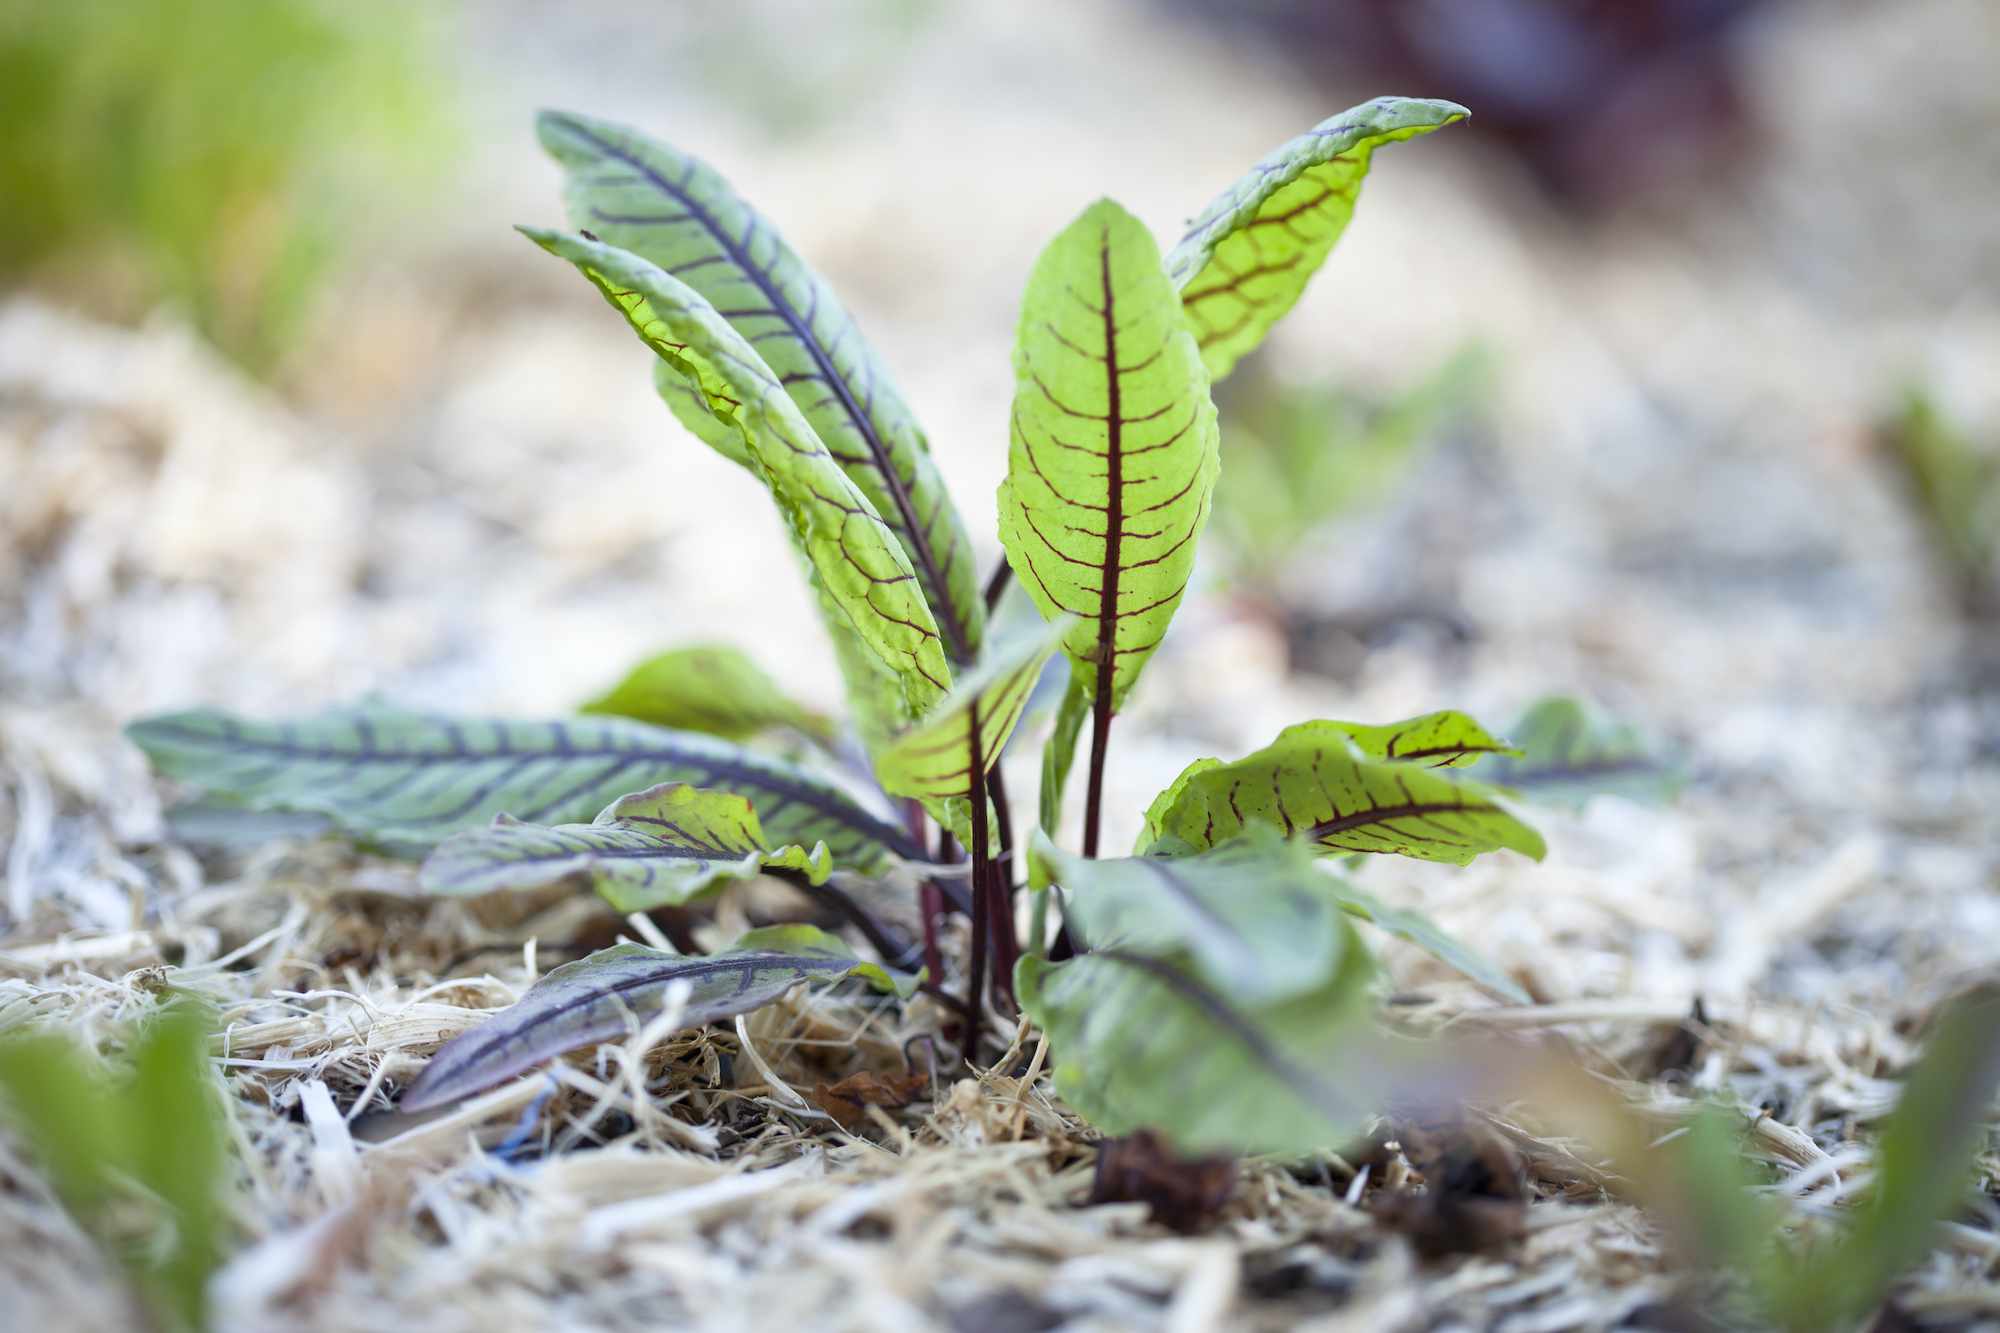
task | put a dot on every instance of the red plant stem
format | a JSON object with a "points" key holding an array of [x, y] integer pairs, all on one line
{"points": [[1100, 738], [982, 894], [997, 584], [930, 904]]}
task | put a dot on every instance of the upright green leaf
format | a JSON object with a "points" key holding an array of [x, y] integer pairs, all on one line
{"points": [[674, 211], [161, 1130], [666, 845], [1142, 1040], [1113, 454], [1060, 751], [949, 752], [1921, 1166], [708, 687], [859, 559], [1569, 752], [1256, 918], [619, 989], [1246, 259], [1314, 783], [408, 780], [1448, 739]]}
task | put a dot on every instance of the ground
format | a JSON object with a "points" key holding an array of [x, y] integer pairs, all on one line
{"points": [[1675, 503]]}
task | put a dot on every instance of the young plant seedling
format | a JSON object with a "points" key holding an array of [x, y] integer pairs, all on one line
{"points": [[1220, 932]]}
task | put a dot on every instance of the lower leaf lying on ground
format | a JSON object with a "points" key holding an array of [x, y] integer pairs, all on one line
{"points": [[665, 845], [1315, 782], [621, 988], [406, 780]]}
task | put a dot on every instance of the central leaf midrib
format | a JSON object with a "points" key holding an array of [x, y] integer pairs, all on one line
{"points": [[1114, 500], [945, 612], [1383, 814]]}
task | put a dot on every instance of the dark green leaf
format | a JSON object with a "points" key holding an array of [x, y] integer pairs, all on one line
{"points": [[674, 211], [1143, 1041], [859, 560], [408, 780]]}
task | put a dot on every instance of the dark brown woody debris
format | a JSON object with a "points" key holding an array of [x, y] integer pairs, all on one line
{"points": [[847, 1100], [1184, 1194], [1474, 1195]]}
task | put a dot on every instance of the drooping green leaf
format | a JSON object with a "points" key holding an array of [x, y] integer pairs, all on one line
{"points": [[1141, 1040], [1418, 929], [1256, 918], [1059, 754], [666, 845], [949, 752], [1448, 739], [1922, 1161], [708, 687], [676, 212], [1113, 454], [619, 989], [1570, 752], [1313, 783], [407, 780], [1247, 257], [860, 561]]}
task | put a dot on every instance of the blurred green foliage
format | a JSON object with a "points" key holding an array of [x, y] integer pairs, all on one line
{"points": [[140, 1159], [1956, 486], [1301, 456], [214, 154]]}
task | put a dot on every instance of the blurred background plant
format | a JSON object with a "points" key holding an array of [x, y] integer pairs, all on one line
{"points": [[1955, 485], [219, 156], [139, 1157]]}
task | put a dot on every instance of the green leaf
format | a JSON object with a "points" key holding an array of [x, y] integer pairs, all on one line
{"points": [[949, 752], [666, 845], [1060, 751], [1569, 752], [1113, 455], [673, 210], [1142, 1041], [1246, 259], [1418, 929], [1313, 783], [180, 1152], [1922, 1161], [407, 780], [617, 989], [1447, 739], [708, 687], [860, 562], [162, 1129], [1256, 918]]}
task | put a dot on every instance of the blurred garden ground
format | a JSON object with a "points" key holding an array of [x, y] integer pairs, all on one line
{"points": [[287, 439]]}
